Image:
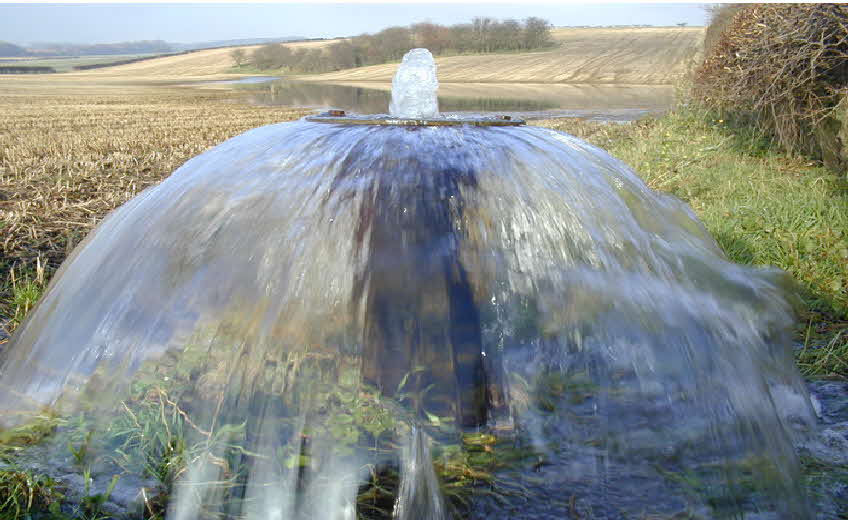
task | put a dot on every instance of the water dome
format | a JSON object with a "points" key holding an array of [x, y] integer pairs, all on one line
{"points": [[416, 317]]}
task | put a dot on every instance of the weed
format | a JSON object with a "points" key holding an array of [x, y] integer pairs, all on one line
{"points": [[26, 289], [23, 493], [80, 451], [91, 505], [828, 360]]}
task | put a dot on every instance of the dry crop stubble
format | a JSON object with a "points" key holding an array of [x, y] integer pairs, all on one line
{"points": [[67, 161]]}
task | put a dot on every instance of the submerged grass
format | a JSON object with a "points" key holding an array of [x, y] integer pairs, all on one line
{"points": [[23, 493], [761, 205]]}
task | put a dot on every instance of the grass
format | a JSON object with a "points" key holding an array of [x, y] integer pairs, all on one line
{"points": [[23, 493], [25, 289], [159, 431], [764, 208]]}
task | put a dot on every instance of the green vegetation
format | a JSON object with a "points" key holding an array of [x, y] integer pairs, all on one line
{"points": [[23, 493], [169, 421], [763, 206], [24, 291]]}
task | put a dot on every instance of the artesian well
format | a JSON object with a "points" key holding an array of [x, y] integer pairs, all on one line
{"points": [[418, 317]]}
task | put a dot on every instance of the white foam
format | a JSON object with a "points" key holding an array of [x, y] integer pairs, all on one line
{"points": [[414, 87]]}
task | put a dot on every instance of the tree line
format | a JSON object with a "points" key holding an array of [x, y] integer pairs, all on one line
{"points": [[482, 35]]}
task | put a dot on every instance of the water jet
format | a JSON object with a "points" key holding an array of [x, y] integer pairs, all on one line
{"points": [[416, 316]]}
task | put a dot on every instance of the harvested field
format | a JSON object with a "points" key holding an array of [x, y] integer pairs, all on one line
{"points": [[200, 64], [65, 162], [65, 64], [637, 56]]}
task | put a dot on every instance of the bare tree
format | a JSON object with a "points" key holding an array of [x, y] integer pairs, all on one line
{"points": [[272, 56], [462, 37], [342, 55], [431, 36], [239, 56], [483, 34], [506, 35], [482, 29], [537, 33], [394, 42]]}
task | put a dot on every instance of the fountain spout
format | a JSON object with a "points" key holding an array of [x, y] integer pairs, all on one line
{"points": [[414, 87]]}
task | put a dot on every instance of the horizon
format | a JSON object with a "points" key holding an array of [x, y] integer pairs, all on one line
{"points": [[88, 24]]}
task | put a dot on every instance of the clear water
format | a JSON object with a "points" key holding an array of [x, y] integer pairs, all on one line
{"points": [[414, 87], [343, 319]]}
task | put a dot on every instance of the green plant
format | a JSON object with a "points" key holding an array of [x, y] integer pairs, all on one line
{"points": [[80, 452], [30, 432], [830, 359], [23, 493], [26, 289], [91, 505]]}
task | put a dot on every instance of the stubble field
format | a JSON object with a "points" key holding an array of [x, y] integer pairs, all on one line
{"points": [[627, 55], [66, 161], [635, 56]]}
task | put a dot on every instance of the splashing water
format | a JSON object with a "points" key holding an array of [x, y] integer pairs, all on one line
{"points": [[302, 311], [414, 87]]}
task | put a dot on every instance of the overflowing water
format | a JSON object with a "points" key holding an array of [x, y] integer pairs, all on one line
{"points": [[338, 321]]}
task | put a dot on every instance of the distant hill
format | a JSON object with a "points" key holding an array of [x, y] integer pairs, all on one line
{"points": [[8, 50], [50, 49], [232, 43], [199, 63], [100, 49]]}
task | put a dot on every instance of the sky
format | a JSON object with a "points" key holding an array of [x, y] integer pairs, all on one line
{"points": [[197, 22]]}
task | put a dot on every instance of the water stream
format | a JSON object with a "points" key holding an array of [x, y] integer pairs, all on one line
{"points": [[359, 321]]}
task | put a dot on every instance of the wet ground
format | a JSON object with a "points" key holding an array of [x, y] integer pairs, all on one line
{"points": [[576, 484], [824, 458]]}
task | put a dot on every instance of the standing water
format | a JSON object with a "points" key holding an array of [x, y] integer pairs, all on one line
{"points": [[417, 320]]}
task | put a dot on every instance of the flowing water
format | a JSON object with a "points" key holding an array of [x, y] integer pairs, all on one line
{"points": [[339, 321]]}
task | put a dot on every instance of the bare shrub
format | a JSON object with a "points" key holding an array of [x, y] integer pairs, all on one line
{"points": [[785, 66], [720, 17]]}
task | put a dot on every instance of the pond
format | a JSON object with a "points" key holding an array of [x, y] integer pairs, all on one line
{"points": [[529, 101]]}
